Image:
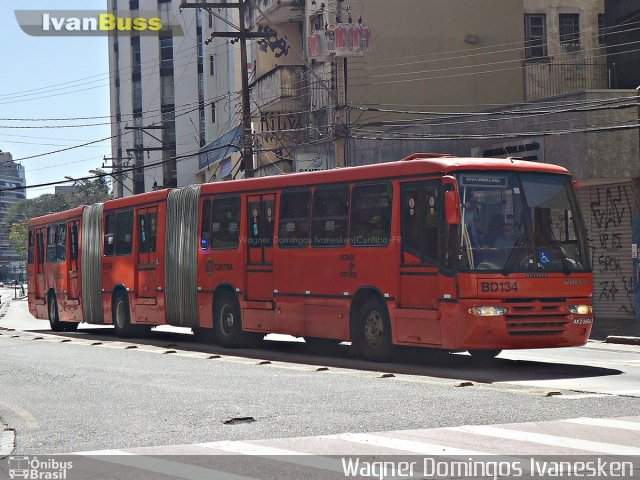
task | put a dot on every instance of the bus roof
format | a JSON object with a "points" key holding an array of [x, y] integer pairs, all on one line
{"points": [[57, 217], [415, 165], [418, 164]]}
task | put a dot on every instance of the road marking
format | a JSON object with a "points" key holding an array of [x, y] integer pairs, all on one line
{"points": [[580, 396], [629, 393], [606, 422], [7, 442], [158, 465], [550, 440], [281, 454], [411, 446]]}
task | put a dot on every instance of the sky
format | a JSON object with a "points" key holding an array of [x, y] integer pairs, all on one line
{"points": [[53, 77]]}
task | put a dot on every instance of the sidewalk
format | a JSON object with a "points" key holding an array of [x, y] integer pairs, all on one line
{"points": [[616, 331]]}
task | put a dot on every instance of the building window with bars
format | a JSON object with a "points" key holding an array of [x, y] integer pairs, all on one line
{"points": [[602, 29], [570, 30], [213, 112], [535, 31]]}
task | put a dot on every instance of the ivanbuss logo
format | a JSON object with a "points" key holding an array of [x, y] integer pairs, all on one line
{"points": [[35, 469], [88, 23]]}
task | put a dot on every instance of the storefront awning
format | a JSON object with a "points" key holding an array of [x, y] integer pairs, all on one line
{"points": [[220, 148]]}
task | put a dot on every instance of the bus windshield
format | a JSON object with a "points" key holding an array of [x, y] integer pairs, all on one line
{"points": [[520, 222]]}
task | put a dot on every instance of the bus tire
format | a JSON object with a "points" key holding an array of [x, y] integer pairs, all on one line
{"points": [[70, 326], [485, 355], [54, 317], [374, 331], [122, 316], [228, 324]]}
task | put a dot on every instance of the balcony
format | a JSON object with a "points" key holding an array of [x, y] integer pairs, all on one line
{"points": [[549, 79], [274, 11], [280, 90]]}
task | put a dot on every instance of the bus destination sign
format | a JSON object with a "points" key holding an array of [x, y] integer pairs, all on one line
{"points": [[479, 180]]}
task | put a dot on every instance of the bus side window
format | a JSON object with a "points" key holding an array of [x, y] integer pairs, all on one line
{"points": [[73, 234], [51, 243], [295, 212], [330, 222], [31, 247], [61, 243], [124, 232], [109, 234], [225, 232], [371, 215]]}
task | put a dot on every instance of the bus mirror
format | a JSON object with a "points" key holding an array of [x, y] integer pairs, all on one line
{"points": [[451, 200], [452, 207]]}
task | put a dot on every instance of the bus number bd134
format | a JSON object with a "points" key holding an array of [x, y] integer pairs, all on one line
{"points": [[492, 287]]}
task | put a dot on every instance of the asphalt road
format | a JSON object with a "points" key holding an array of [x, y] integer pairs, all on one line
{"points": [[89, 391]]}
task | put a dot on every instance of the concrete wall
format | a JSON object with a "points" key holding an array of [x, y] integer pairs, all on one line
{"points": [[439, 54]]}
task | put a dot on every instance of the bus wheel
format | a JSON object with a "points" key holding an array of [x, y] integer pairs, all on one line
{"points": [[54, 318], [228, 324], [485, 355], [122, 316], [374, 332]]}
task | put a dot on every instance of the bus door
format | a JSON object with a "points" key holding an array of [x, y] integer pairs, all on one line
{"points": [[260, 221], [40, 283], [148, 262], [74, 280], [420, 216]]}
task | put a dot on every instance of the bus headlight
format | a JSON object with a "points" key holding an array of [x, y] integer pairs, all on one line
{"points": [[581, 309], [488, 311]]}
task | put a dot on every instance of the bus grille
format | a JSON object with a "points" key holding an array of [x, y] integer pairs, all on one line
{"points": [[536, 317]]}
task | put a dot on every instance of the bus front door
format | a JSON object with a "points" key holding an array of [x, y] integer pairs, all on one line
{"points": [[418, 319], [260, 222]]}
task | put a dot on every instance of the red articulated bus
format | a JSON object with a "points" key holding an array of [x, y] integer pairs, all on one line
{"points": [[432, 251]]}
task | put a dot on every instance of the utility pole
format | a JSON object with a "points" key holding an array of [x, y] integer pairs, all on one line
{"points": [[242, 35]]}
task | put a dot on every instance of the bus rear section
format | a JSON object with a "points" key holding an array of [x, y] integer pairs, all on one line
{"points": [[54, 270]]}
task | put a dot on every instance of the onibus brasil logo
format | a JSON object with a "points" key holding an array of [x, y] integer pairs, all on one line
{"points": [[89, 23], [32, 468]]}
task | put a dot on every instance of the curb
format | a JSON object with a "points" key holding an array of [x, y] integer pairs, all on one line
{"points": [[623, 340]]}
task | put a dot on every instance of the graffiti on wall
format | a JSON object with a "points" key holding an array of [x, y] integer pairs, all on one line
{"points": [[610, 215]]}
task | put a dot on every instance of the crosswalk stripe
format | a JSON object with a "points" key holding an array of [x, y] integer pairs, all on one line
{"points": [[283, 455], [550, 440], [606, 422], [165, 467], [403, 445]]}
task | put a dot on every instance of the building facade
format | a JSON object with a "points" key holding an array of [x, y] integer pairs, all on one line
{"points": [[12, 176]]}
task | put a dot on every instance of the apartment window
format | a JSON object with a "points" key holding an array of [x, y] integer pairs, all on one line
{"points": [[570, 29], [133, 5], [535, 31], [136, 59], [602, 29], [213, 113], [212, 65], [210, 20], [166, 55]]}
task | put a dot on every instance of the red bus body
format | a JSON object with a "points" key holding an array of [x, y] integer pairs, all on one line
{"points": [[168, 257]]}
